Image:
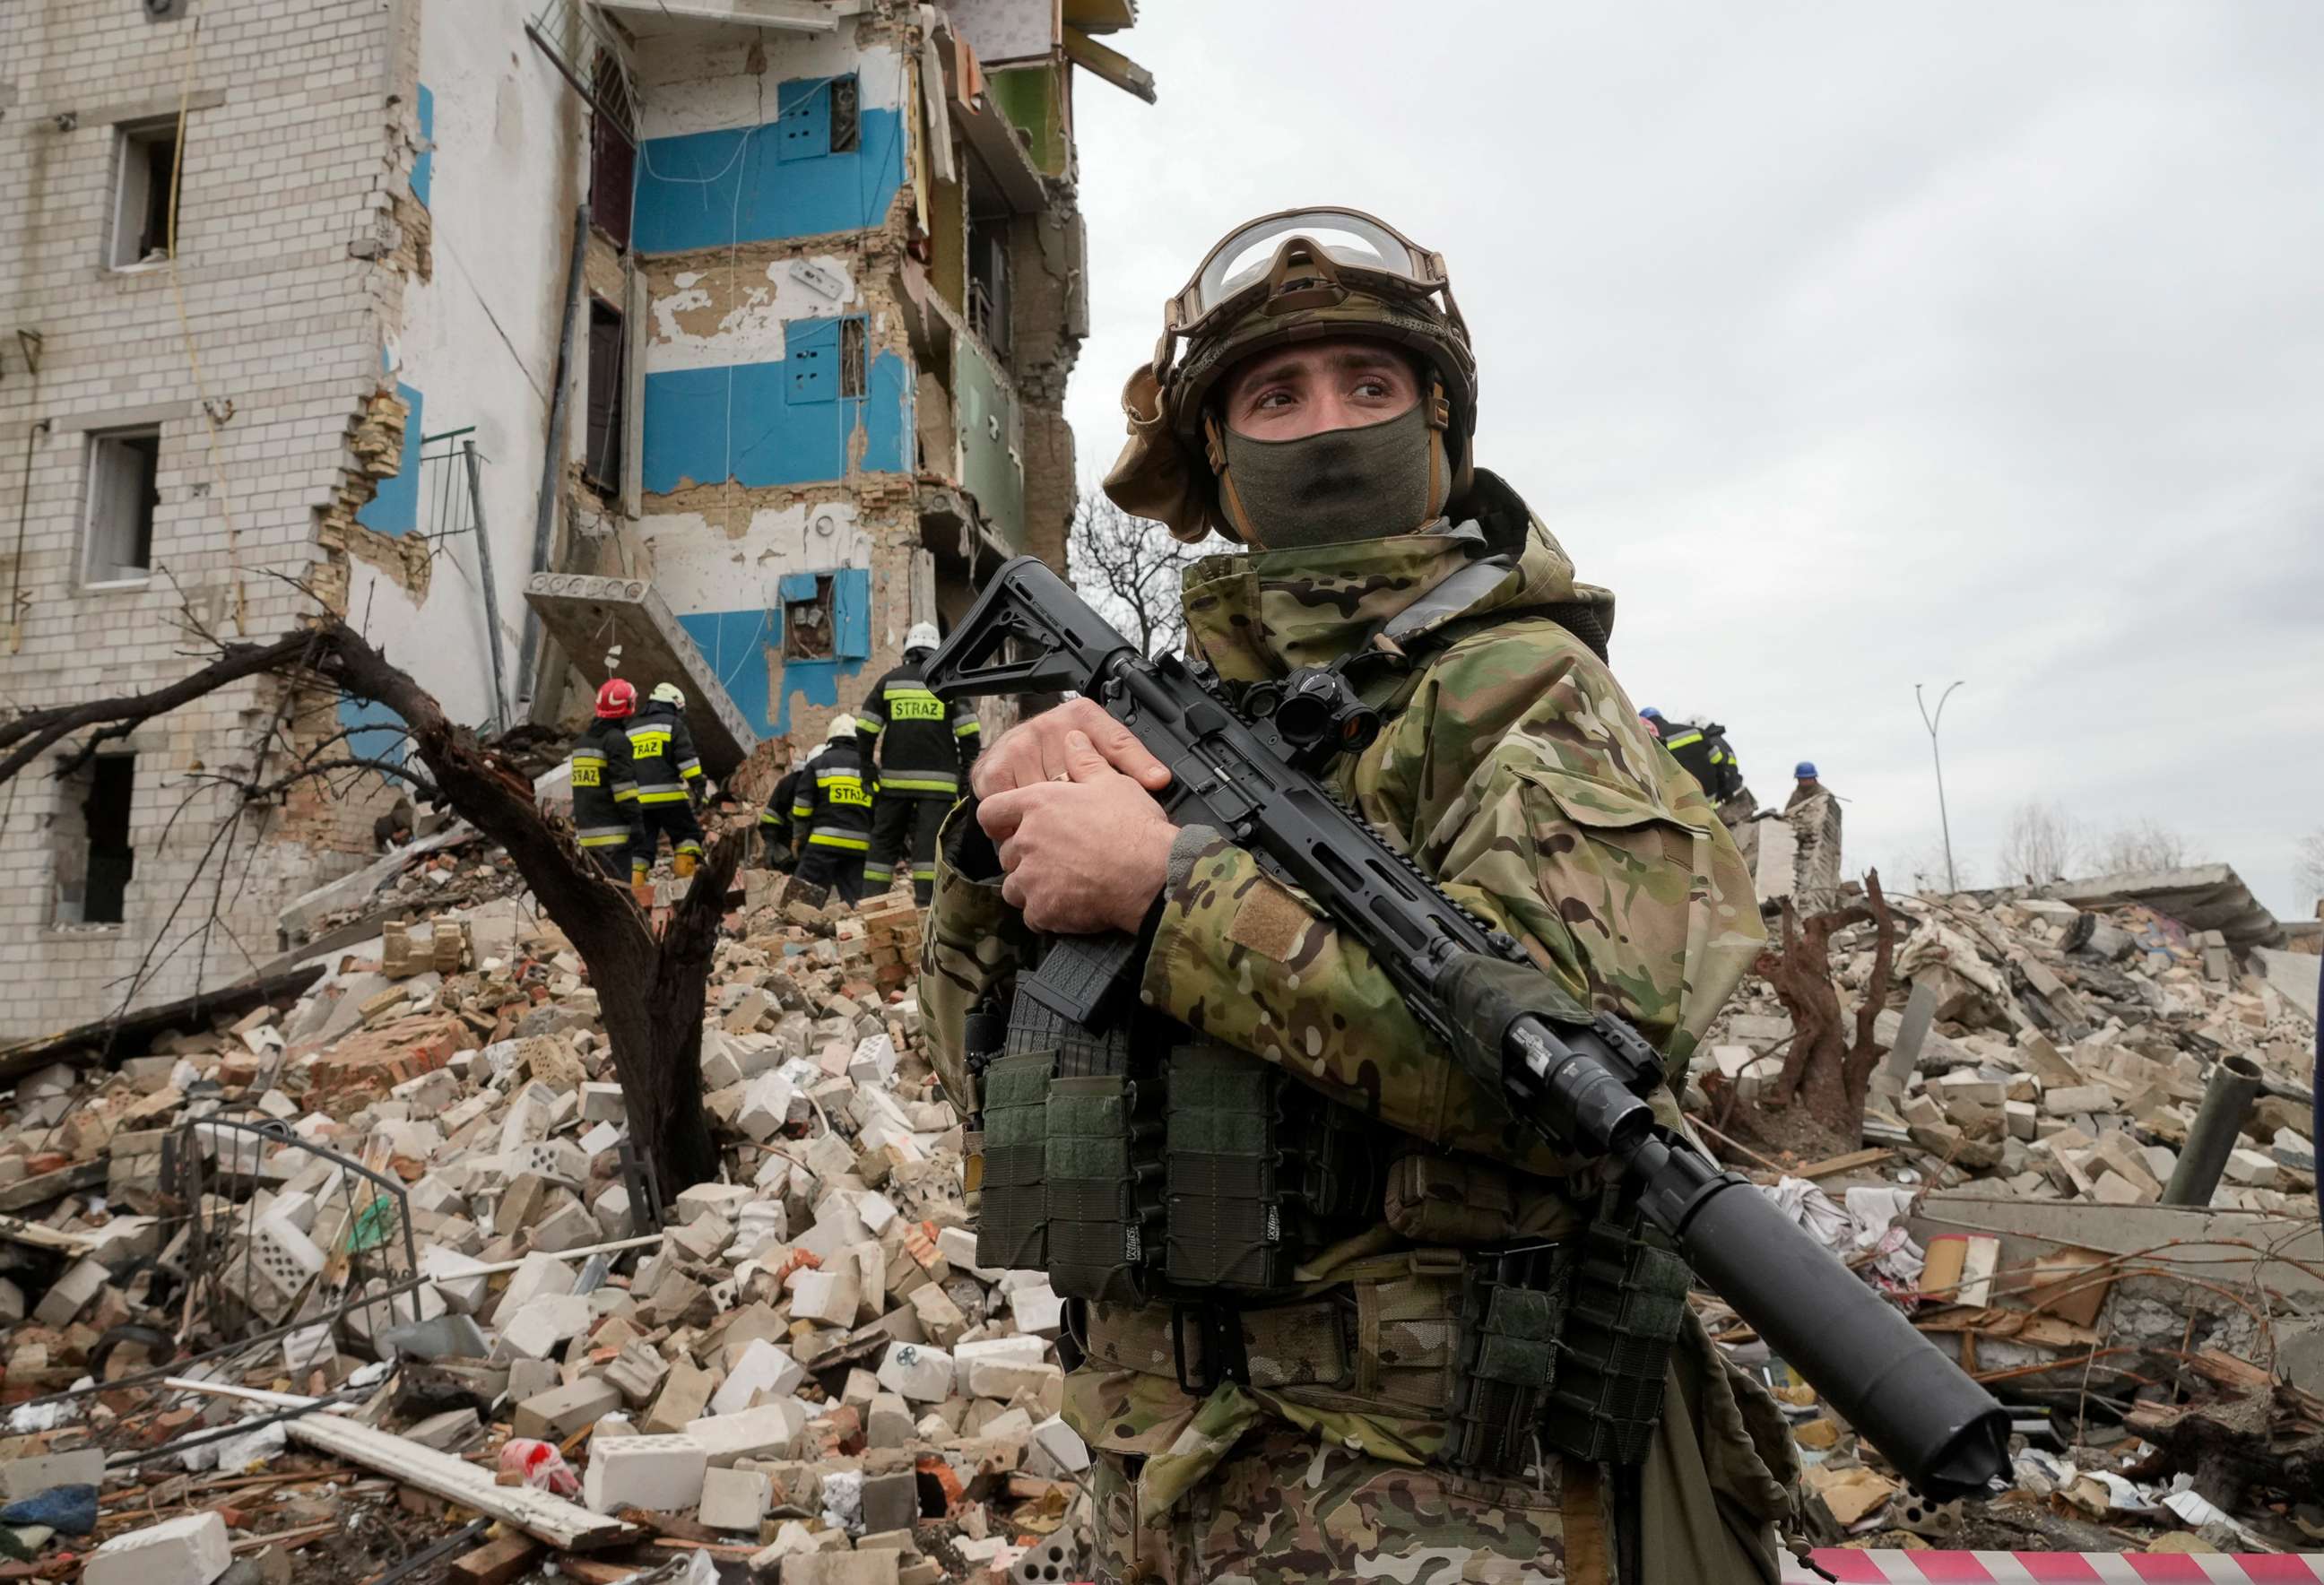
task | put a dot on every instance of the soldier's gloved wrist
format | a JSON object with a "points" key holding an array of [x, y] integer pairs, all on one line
{"points": [[1184, 848]]}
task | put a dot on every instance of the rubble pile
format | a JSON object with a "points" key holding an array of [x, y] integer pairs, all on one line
{"points": [[798, 1367], [2042, 1072], [384, 1265]]}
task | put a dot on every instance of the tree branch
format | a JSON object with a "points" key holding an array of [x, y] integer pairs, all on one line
{"points": [[36, 732]]}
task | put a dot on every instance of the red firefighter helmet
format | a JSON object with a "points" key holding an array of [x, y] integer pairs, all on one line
{"points": [[616, 699]]}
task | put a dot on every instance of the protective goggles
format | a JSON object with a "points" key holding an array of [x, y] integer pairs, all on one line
{"points": [[1299, 258]]}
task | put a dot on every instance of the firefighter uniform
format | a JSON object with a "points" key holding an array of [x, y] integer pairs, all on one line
{"points": [[662, 760], [1703, 753], [775, 821], [832, 807], [930, 745], [606, 796]]}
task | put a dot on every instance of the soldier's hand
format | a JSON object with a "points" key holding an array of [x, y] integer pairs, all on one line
{"points": [[1034, 752], [1082, 854]]}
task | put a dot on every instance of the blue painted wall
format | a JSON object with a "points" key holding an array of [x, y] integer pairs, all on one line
{"points": [[394, 507], [737, 644], [788, 428], [423, 168], [764, 183], [377, 730]]}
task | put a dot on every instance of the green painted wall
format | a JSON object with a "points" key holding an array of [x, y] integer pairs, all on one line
{"points": [[1029, 97], [989, 439]]}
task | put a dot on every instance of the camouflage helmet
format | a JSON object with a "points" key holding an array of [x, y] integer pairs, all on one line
{"points": [[1295, 275]]}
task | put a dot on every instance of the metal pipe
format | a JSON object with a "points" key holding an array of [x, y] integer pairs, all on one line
{"points": [[492, 596], [552, 462], [2226, 1102]]}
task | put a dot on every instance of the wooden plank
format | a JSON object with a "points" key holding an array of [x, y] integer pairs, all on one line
{"points": [[1848, 1163], [496, 1561], [566, 1525]]}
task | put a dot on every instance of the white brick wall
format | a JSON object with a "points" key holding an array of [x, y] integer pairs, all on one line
{"points": [[292, 163]]}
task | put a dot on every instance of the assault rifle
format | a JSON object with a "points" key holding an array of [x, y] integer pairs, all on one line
{"points": [[1248, 768]]}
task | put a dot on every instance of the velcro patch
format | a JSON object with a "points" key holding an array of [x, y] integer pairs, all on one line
{"points": [[1270, 922]]}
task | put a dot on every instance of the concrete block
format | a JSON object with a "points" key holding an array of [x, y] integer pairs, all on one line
{"points": [[891, 1502], [764, 1367], [841, 1568], [555, 1415], [189, 1551], [1030, 1350], [768, 1432], [23, 1478], [828, 1298], [539, 1276], [684, 1396], [2072, 1100], [887, 1421], [2252, 1170], [735, 1499], [1037, 1308], [2022, 1117], [72, 1293], [1005, 1378], [917, 1372], [1061, 1445], [542, 1326], [663, 1473], [601, 1104]]}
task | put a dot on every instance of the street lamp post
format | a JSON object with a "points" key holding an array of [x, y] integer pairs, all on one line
{"points": [[1952, 881]]}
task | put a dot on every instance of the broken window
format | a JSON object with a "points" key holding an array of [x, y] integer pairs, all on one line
{"points": [[854, 342], [601, 462], [94, 858], [846, 132], [809, 628], [988, 283], [117, 543], [612, 152], [145, 159]]}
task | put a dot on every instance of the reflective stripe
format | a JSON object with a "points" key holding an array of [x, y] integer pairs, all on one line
{"points": [[664, 795], [771, 818], [927, 874], [624, 792], [689, 846], [879, 871], [1680, 742], [597, 759], [840, 839], [965, 727], [603, 836], [928, 784], [689, 767]]}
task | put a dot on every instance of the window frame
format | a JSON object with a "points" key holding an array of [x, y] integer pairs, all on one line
{"points": [[94, 450], [132, 139]]}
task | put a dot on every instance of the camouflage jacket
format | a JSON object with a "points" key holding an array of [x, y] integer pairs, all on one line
{"points": [[1514, 770]]}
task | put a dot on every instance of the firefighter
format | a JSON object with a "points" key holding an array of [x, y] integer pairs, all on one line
{"points": [[669, 779], [930, 746], [833, 811], [775, 819], [605, 790], [1703, 753]]}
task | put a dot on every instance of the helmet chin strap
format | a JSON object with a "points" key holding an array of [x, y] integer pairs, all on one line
{"points": [[1440, 471]]}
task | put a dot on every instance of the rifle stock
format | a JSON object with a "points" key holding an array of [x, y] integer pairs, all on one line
{"points": [[1579, 1080]]}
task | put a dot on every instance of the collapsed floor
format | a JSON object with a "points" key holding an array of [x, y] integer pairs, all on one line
{"points": [[372, 1283]]}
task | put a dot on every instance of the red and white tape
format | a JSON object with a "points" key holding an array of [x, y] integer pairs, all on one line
{"points": [[1851, 1567]]}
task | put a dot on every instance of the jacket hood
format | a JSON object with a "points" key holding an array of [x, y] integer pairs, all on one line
{"points": [[1261, 614]]}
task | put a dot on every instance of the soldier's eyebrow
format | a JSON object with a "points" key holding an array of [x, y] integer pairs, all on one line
{"points": [[1346, 360]]}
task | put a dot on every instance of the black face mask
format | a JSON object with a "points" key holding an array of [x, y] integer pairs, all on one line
{"points": [[1343, 484]]}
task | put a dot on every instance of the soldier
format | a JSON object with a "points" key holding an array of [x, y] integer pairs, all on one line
{"points": [[1287, 1419], [930, 745], [605, 790], [833, 810], [669, 779]]}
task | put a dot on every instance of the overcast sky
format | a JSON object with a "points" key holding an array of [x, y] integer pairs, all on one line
{"points": [[1852, 346]]}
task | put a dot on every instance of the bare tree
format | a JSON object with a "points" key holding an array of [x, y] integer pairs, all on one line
{"points": [[1826, 1068], [2138, 845], [2040, 845], [649, 983], [2308, 866], [1129, 568]]}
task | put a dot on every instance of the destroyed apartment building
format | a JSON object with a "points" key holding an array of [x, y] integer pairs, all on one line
{"points": [[719, 342]]}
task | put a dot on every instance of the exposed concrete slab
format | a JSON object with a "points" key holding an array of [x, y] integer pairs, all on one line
{"points": [[2208, 1244], [589, 615], [2201, 897]]}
